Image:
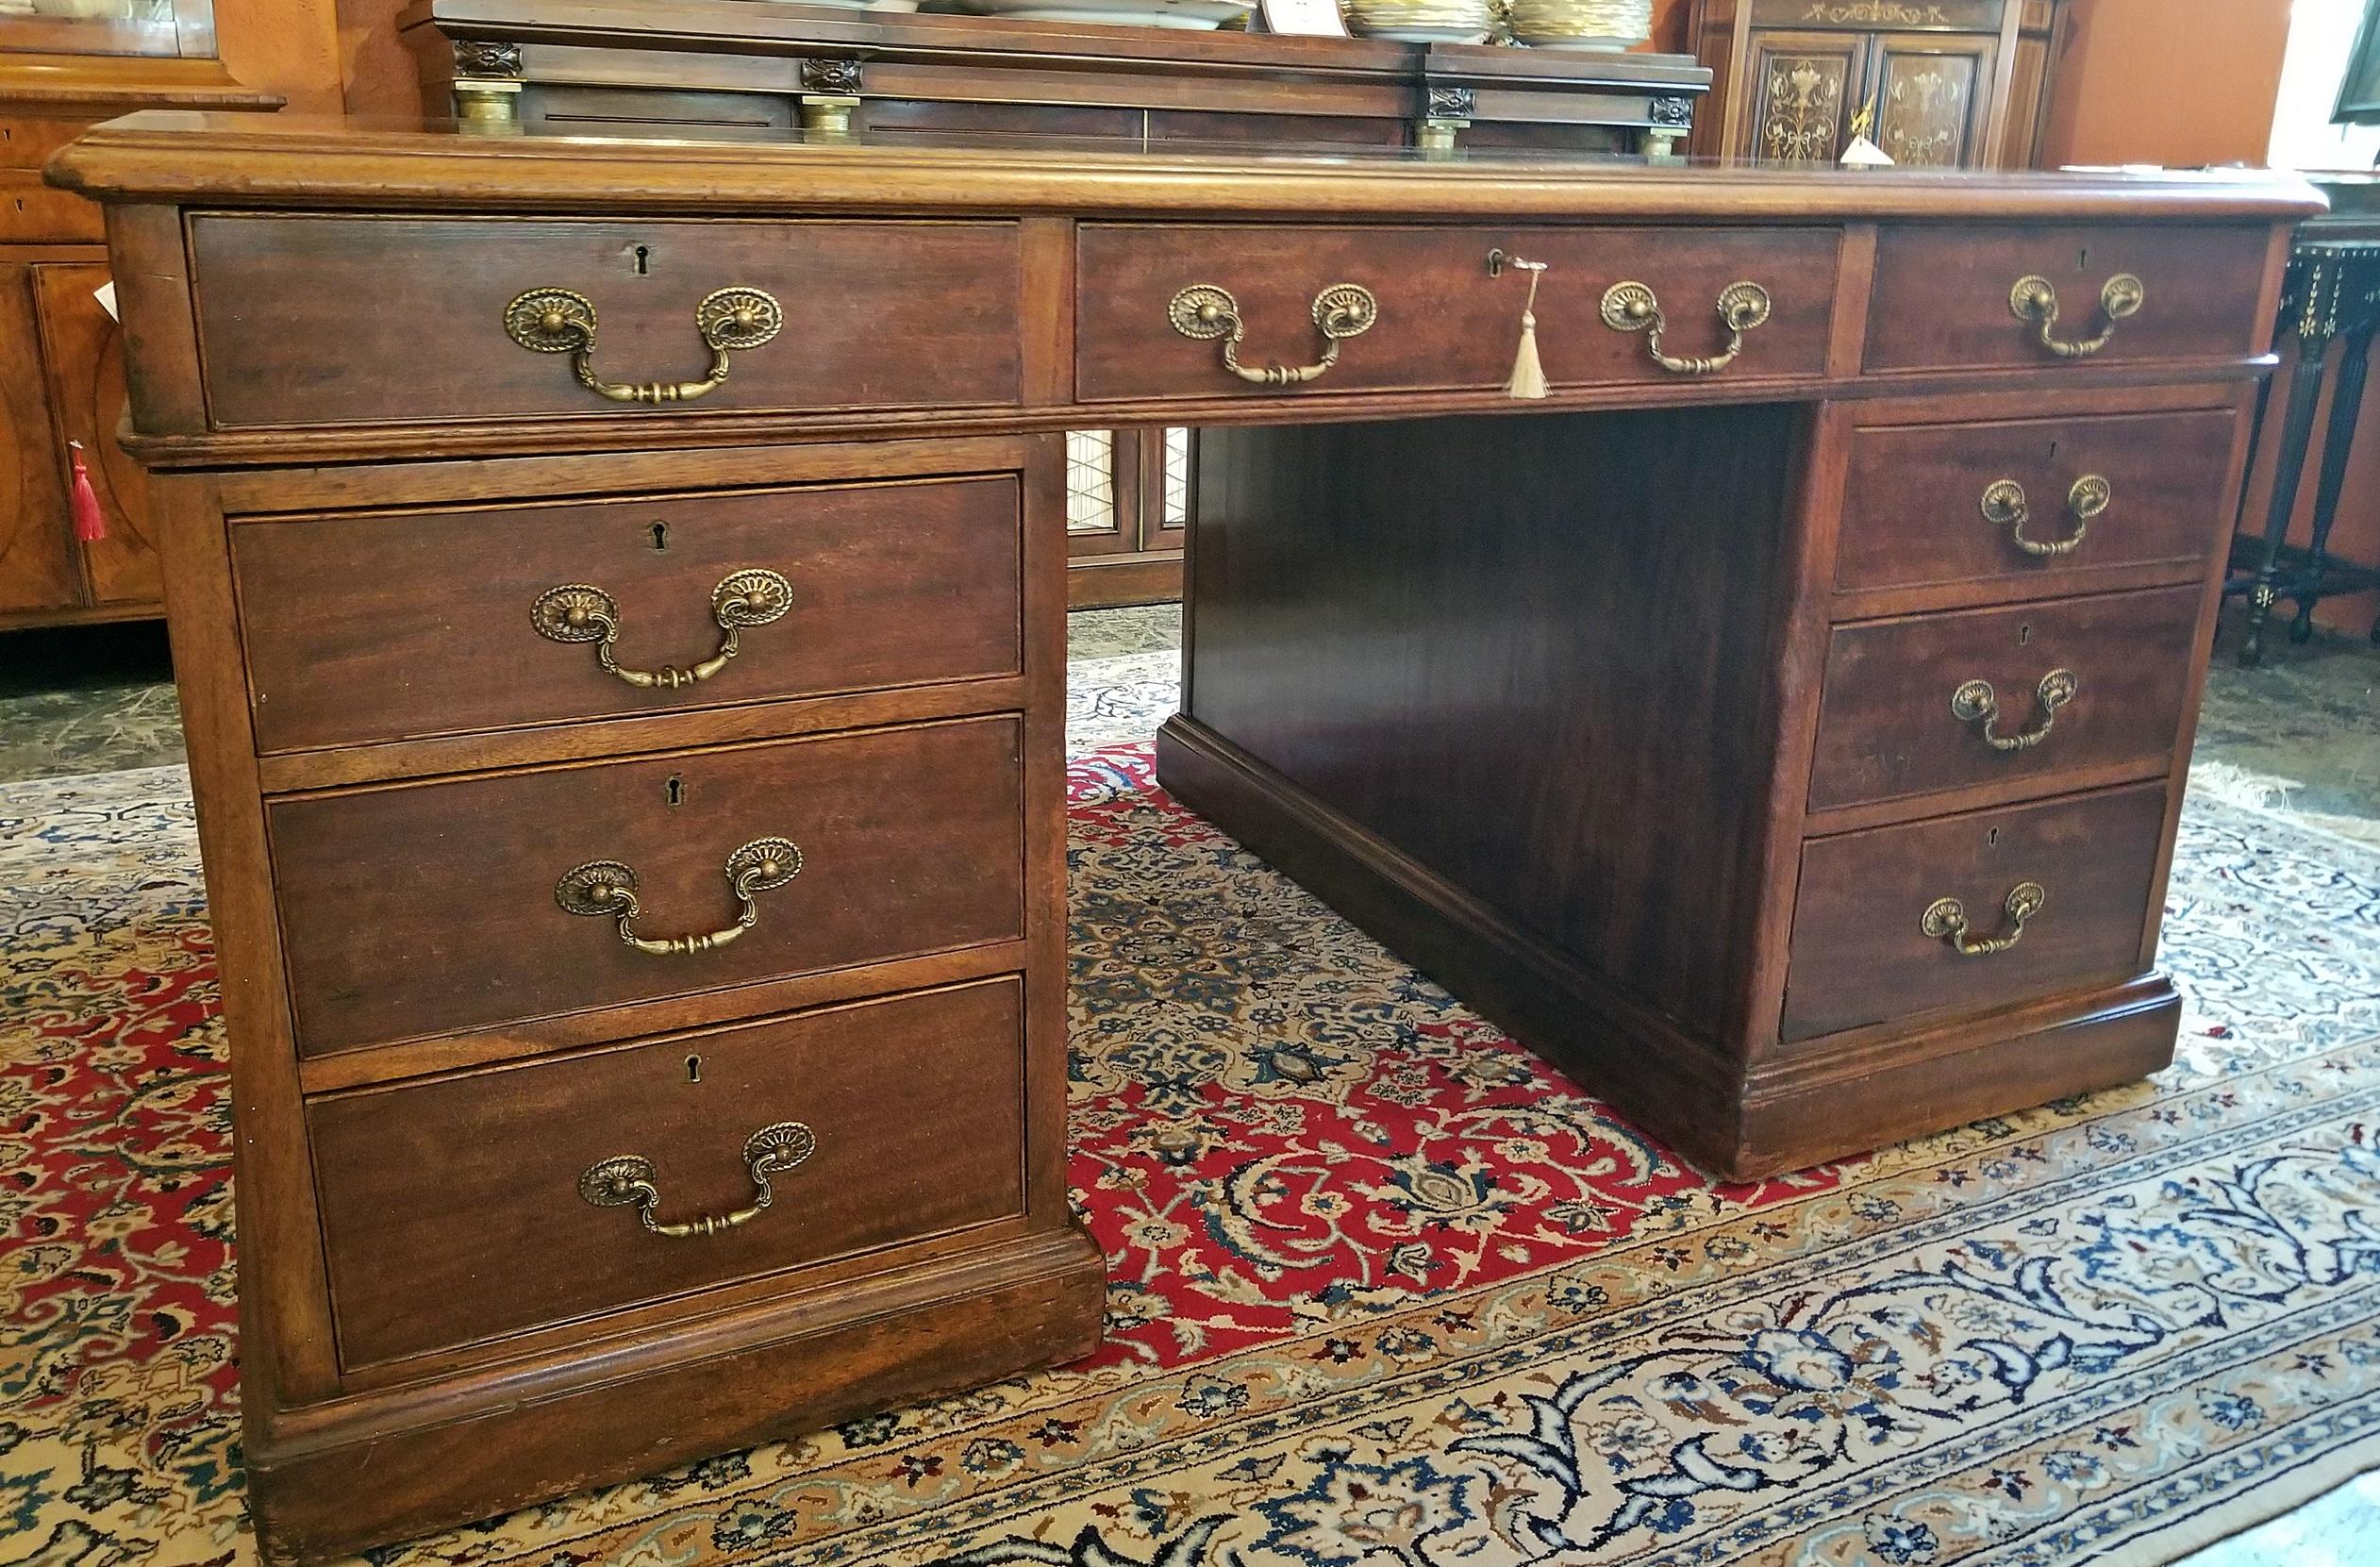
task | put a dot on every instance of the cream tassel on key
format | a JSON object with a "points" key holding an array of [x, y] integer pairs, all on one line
{"points": [[1528, 374]]}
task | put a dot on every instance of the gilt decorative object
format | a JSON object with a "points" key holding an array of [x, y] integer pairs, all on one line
{"points": [[1581, 24]]}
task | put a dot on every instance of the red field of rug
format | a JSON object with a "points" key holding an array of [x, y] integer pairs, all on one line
{"points": [[1275, 1126]]}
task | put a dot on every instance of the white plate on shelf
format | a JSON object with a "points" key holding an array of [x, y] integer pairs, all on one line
{"points": [[1187, 15]]}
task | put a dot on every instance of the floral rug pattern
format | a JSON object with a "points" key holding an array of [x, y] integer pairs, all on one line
{"points": [[1385, 1289]]}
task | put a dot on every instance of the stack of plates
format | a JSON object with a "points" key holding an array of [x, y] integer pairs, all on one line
{"points": [[1582, 23], [1421, 21]]}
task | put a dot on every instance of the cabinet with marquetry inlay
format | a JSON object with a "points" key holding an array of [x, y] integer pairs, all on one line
{"points": [[1935, 83]]}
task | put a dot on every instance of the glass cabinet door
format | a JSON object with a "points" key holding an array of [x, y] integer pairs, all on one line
{"points": [[150, 27]]}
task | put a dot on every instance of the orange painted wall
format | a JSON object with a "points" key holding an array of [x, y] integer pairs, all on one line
{"points": [[380, 74], [2178, 82], [1669, 28], [285, 47]]}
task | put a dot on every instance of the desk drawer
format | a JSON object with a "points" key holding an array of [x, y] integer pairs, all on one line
{"points": [[1944, 295], [430, 909], [1898, 717], [330, 321], [1932, 504], [390, 627], [1861, 948], [452, 1213], [1443, 320]]}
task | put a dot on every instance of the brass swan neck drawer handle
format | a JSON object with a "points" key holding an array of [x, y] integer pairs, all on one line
{"points": [[2004, 505], [630, 1180], [1204, 312], [2034, 300], [1635, 308], [581, 613], [1945, 920], [1976, 703], [607, 889], [556, 321]]}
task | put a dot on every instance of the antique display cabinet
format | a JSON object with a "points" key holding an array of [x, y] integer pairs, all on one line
{"points": [[1958, 84], [63, 67]]}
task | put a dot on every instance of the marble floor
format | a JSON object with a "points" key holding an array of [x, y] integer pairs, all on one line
{"points": [[2300, 736]]}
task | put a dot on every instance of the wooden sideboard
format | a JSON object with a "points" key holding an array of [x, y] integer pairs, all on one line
{"points": [[707, 67], [58, 346], [1959, 84], [624, 687]]}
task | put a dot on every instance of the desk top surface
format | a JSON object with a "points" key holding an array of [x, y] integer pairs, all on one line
{"points": [[245, 161]]}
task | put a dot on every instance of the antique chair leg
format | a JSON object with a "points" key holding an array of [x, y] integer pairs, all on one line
{"points": [[2337, 443], [2297, 434]]}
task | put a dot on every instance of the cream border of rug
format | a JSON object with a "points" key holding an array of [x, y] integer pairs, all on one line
{"points": [[2245, 1513], [2159, 1546]]}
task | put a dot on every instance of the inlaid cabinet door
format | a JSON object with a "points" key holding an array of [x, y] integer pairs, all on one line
{"points": [[83, 345], [38, 569], [1803, 88], [1933, 97]]}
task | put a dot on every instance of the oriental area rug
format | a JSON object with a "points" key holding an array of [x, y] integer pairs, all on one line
{"points": [[1384, 1288]]}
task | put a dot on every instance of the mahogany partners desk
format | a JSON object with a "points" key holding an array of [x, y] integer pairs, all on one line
{"points": [[616, 590]]}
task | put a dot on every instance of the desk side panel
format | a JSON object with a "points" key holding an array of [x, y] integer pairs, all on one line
{"points": [[1529, 652]]}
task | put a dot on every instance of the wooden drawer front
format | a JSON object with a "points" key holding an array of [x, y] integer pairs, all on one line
{"points": [[370, 629], [1886, 725], [451, 1208], [328, 321], [29, 143], [31, 211], [1915, 514], [1860, 953], [1942, 300], [432, 908], [1443, 321]]}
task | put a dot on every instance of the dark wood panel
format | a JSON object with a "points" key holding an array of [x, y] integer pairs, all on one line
{"points": [[877, 314], [426, 908], [1860, 954], [360, 628], [1886, 727], [1443, 320], [451, 1207], [885, 116], [1913, 513], [1942, 294], [1390, 615], [1292, 129]]}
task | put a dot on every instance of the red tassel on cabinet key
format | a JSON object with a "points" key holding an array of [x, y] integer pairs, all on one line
{"points": [[90, 522]]}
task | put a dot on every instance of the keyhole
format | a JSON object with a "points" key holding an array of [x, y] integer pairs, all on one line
{"points": [[2053, 451], [1991, 839], [644, 261], [2024, 635], [694, 1069], [2081, 264], [660, 536], [677, 790]]}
